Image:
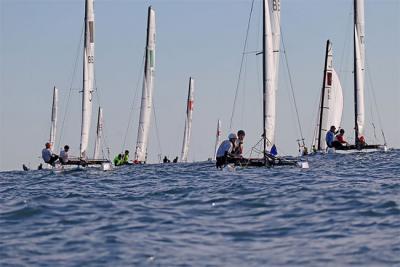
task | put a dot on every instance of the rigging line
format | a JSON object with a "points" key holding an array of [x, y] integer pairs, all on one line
{"points": [[241, 65], [140, 76], [157, 132], [291, 86], [374, 98], [70, 87]]}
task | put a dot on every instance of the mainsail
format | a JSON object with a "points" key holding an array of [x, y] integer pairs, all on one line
{"points": [[188, 121], [331, 105], [88, 77], [271, 46], [217, 138], [359, 68], [147, 90], [53, 126], [99, 134]]}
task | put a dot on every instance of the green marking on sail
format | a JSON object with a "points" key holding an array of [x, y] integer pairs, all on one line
{"points": [[151, 58]]}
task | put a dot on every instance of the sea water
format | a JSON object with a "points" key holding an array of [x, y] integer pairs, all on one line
{"points": [[344, 210]]}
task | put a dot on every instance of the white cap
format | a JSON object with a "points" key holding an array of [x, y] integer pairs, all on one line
{"points": [[232, 136]]}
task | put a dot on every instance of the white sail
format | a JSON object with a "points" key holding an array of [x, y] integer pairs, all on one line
{"points": [[359, 50], [99, 134], [271, 59], [147, 91], [88, 77], [188, 121], [54, 109], [217, 138], [331, 106]]}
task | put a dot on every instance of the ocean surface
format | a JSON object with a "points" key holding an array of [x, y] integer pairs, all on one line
{"points": [[343, 211]]}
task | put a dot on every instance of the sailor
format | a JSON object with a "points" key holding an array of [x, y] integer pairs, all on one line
{"points": [[118, 160], [48, 155], [238, 151], [125, 158], [175, 160], [166, 160], [225, 150], [339, 142], [330, 136], [64, 155]]}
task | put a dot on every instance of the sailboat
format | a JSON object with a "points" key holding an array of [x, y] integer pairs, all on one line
{"points": [[331, 104], [88, 88], [188, 121], [147, 91], [359, 88], [271, 54]]}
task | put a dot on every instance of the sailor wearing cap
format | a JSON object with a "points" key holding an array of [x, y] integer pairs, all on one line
{"points": [[225, 150]]}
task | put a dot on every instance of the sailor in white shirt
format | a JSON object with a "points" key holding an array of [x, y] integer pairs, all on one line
{"points": [[48, 155], [64, 155], [225, 149]]}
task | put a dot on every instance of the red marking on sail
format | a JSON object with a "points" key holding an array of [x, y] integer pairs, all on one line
{"points": [[190, 104], [329, 79]]}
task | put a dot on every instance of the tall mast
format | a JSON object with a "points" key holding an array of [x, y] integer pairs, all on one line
{"points": [[324, 82], [217, 138], [99, 134], [359, 67], [88, 77], [188, 121], [147, 90], [271, 46], [54, 109]]}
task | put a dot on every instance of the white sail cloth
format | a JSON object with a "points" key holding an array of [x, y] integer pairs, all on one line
{"points": [[271, 59], [54, 112], [147, 91], [188, 122], [359, 36], [88, 78]]}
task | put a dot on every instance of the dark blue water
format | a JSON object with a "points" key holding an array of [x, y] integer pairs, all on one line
{"points": [[344, 210]]}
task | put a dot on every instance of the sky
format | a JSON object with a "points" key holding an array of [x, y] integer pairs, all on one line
{"points": [[41, 46]]}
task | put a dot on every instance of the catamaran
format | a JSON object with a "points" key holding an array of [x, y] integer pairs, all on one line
{"points": [[147, 91], [333, 107], [188, 122], [270, 54], [331, 104], [88, 87]]}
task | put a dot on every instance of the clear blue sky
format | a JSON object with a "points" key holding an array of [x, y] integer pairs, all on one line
{"points": [[204, 39]]}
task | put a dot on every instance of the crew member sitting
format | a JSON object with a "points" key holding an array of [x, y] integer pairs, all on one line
{"points": [[166, 160], [225, 150], [330, 136], [238, 151], [64, 155], [125, 158], [48, 155], [175, 160], [339, 142], [118, 160]]}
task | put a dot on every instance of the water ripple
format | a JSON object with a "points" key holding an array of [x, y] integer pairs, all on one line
{"points": [[343, 211]]}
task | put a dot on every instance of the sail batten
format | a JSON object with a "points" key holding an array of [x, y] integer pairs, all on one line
{"points": [[188, 122], [54, 111], [88, 77], [147, 91]]}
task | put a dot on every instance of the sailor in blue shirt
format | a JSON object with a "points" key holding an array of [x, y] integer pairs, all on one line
{"points": [[330, 136]]}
